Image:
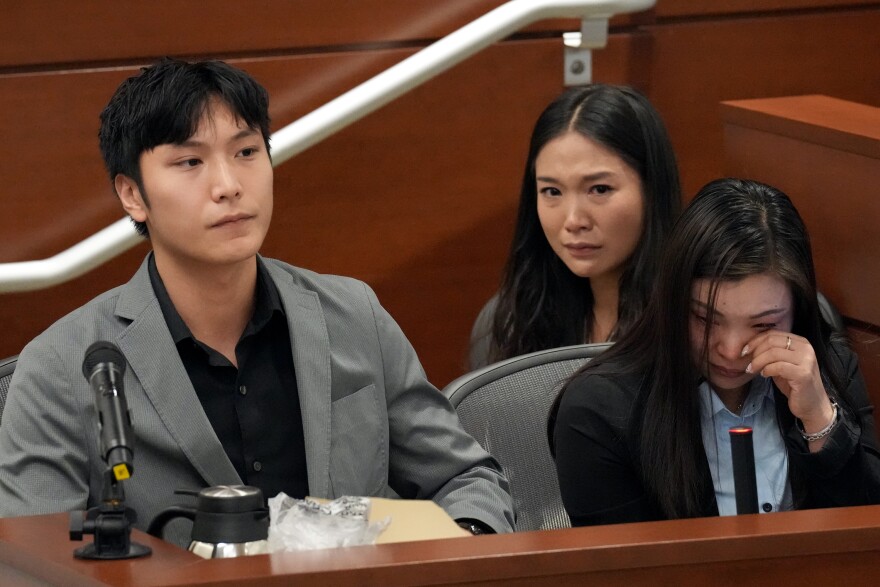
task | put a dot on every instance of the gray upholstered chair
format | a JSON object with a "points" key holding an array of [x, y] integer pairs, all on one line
{"points": [[7, 366], [505, 406]]}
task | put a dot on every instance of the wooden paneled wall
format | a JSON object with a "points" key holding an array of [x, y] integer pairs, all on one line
{"points": [[418, 198]]}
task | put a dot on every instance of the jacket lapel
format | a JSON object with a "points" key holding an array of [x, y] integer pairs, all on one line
{"points": [[153, 358], [311, 359]]}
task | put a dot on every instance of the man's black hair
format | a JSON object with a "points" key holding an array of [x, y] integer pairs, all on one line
{"points": [[164, 105]]}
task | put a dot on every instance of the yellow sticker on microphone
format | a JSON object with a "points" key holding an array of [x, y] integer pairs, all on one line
{"points": [[121, 472]]}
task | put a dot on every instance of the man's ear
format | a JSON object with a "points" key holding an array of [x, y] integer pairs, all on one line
{"points": [[133, 201]]}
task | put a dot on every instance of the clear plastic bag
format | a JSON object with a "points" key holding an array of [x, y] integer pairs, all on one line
{"points": [[297, 524]]}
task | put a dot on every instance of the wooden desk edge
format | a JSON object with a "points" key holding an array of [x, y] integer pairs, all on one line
{"points": [[526, 556], [566, 552], [823, 120]]}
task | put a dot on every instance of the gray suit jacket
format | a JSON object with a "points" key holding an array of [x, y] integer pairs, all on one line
{"points": [[373, 424]]}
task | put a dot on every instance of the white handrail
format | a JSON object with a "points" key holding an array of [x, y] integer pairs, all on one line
{"points": [[330, 118], [433, 60]]}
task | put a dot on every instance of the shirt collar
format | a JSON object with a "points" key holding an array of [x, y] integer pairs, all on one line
{"points": [[760, 390], [267, 303]]}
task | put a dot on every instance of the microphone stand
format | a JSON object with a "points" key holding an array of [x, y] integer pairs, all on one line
{"points": [[110, 522], [745, 484]]}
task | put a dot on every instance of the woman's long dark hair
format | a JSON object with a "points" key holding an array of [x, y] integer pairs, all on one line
{"points": [[541, 303], [732, 229]]}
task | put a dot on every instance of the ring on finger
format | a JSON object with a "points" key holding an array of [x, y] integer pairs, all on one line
{"points": [[788, 343]]}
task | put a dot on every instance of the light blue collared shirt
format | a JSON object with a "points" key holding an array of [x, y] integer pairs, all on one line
{"points": [[771, 457]]}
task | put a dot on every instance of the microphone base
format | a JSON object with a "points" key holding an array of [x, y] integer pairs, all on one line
{"points": [[90, 551], [112, 531], [110, 523]]}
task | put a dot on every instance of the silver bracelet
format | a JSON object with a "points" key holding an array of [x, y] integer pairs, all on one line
{"points": [[824, 431]]}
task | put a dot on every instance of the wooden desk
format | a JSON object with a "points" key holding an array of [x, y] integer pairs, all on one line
{"points": [[820, 547]]}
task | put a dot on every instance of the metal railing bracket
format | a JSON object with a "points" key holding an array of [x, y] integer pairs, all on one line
{"points": [[578, 60]]}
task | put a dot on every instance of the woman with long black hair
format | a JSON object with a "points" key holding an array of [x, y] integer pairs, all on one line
{"points": [[599, 194], [733, 336]]}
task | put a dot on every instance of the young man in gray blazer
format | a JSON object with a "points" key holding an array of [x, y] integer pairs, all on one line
{"points": [[241, 369]]}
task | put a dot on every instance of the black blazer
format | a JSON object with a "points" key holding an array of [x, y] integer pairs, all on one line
{"points": [[596, 442]]}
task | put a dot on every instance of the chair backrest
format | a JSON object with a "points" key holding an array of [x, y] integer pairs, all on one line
{"points": [[504, 406], [7, 366]]}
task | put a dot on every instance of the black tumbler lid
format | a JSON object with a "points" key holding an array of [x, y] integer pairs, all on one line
{"points": [[230, 499]]}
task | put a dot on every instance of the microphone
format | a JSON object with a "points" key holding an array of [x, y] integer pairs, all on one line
{"points": [[103, 367], [744, 482]]}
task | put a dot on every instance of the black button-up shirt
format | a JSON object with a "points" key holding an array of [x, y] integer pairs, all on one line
{"points": [[254, 409]]}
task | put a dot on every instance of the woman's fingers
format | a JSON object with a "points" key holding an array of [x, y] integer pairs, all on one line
{"points": [[791, 362], [775, 339]]}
